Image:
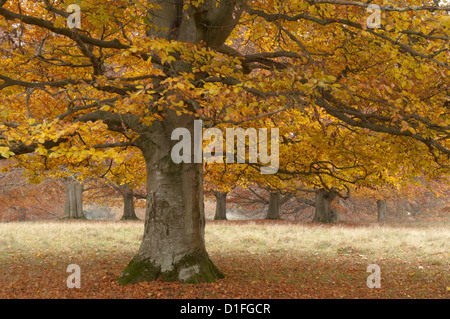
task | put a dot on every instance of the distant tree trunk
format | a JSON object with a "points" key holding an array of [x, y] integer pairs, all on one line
{"points": [[128, 206], [221, 205], [324, 213], [74, 204], [381, 207], [274, 206]]}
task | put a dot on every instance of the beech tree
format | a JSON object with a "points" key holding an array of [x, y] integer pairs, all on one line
{"points": [[128, 204], [323, 200], [73, 207], [381, 210], [134, 71], [273, 211], [221, 205]]}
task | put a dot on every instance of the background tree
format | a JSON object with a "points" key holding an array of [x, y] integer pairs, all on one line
{"points": [[381, 210], [221, 205], [73, 207], [273, 211], [128, 202]]}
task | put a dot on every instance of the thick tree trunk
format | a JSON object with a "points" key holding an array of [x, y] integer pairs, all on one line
{"points": [[381, 207], [323, 212], [173, 245], [128, 206], [221, 205], [73, 207], [274, 206]]}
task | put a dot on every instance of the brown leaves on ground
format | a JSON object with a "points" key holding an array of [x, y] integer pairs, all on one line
{"points": [[261, 259], [278, 274]]}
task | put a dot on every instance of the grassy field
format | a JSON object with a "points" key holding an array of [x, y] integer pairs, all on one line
{"points": [[261, 259]]}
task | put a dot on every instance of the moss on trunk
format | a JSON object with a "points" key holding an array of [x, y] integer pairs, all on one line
{"points": [[191, 269]]}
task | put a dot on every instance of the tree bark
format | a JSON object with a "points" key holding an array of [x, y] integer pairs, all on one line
{"points": [[381, 208], [221, 205], [273, 211], [323, 212], [128, 206], [73, 207], [173, 245]]}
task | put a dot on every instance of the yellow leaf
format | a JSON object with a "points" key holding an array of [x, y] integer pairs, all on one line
{"points": [[180, 86]]}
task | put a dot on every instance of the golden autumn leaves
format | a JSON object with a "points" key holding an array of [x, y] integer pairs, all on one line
{"points": [[275, 70]]}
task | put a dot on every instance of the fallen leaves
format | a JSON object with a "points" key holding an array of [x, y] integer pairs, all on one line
{"points": [[248, 276], [253, 269]]}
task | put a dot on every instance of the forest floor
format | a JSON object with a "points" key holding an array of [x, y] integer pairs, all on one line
{"points": [[261, 259]]}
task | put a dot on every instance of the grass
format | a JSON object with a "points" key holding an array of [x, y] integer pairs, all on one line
{"points": [[375, 241], [260, 259]]}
